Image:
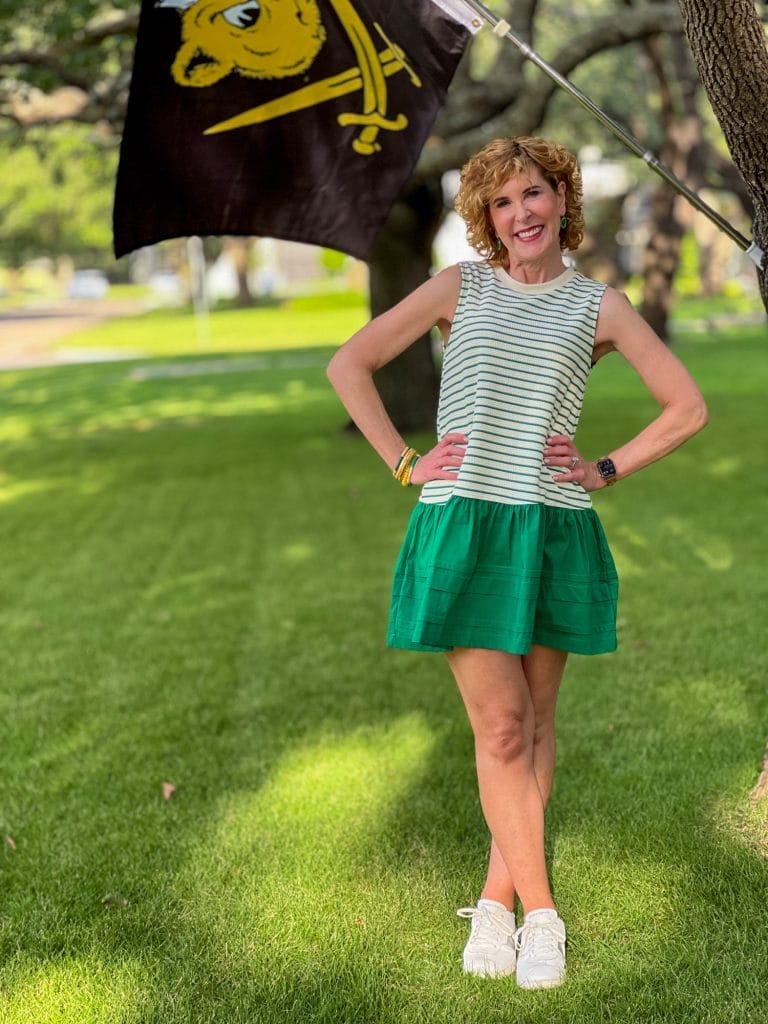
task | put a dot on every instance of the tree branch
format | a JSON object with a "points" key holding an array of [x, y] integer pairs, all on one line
{"points": [[106, 27], [77, 96], [532, 99], [51, 60]]}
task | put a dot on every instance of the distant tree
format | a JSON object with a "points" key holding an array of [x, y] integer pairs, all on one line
{"points": [[66, 60], [688, 151], [728, 44], [57, 195], [683, 140]]}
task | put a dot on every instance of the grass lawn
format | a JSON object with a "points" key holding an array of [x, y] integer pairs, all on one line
{"points": [[295, 323], [195, 582]]}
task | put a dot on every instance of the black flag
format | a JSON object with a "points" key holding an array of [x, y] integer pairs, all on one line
{"points": [[296, 119]]}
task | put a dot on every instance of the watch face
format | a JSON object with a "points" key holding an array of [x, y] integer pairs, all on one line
{"points": [[606, 469]]}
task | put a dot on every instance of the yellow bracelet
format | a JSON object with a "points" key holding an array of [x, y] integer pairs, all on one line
{"points": [[404, 463], [405, 456], [405, 480]]}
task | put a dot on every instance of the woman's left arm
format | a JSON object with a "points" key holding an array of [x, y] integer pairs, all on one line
{"points": [[683, 410]]}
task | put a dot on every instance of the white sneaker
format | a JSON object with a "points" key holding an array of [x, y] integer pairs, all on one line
{"points": [[490, 951], [541, 950]]}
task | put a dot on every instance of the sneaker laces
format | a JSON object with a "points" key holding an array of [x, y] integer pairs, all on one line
{"points": [[540, 939], [487, 922]]}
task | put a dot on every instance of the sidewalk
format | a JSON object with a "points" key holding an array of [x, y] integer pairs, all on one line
{"points": [[30, 335]]}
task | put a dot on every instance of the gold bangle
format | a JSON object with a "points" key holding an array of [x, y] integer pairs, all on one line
{"points": [[405, 479], [405, 456], [399, 462]]}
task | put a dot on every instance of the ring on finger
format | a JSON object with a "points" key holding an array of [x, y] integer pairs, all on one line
{"points": [[575, 460]]}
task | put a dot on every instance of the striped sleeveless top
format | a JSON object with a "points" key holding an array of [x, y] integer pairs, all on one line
{"points": [[515, 370]]}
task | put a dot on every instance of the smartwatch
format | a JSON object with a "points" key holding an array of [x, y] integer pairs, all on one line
{"points": [[607, 470]]}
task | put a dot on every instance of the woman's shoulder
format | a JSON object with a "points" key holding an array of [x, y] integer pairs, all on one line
{"points": [[617, 316], [446, 282], [615, 305]]}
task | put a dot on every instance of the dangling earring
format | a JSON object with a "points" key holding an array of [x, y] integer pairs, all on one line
{"points": [[498, 245], [563, 223]]}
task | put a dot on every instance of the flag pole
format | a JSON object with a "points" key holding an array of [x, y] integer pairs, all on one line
{"points": [[502, 29]]}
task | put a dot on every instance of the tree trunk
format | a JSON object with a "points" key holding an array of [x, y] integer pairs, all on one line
{"points": [[599, 253], [661, 258], [239, 250], [401, 261], [682, 138], [728, 45]]}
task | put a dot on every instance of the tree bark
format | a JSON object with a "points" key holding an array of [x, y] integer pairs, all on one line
{"points": [[401, 260], [239, 249], [682, 139], [729, 48]]}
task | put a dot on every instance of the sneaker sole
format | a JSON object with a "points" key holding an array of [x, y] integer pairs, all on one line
{"points": [[531, 986], [489, 972]]}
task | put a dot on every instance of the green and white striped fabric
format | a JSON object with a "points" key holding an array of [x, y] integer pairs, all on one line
{"points": [[515, 370]]}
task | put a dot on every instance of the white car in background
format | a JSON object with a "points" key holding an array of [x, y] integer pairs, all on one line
{"points": [[88, 284]]}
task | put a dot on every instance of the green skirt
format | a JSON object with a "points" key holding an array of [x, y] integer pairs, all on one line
{"points": [[484, 574]]}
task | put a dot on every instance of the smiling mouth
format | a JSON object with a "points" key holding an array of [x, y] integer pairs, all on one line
{"points": [[528, 234]]}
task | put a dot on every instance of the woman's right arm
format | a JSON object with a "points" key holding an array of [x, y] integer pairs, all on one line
{"points": [[351, 371]]}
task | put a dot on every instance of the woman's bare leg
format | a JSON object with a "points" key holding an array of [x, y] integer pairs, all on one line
{"points": [[542, 670]]}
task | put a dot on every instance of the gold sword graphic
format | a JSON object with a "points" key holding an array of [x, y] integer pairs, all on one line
{"points": [[374, 81], [391, 61]]}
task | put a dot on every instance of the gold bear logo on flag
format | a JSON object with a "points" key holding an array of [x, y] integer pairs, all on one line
{"points": [[256, 39], [281, 38]]}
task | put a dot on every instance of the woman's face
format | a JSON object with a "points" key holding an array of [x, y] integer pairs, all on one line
{"points": [[525, 213]]}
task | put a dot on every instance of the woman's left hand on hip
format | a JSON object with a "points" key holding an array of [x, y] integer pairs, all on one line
{"points": [[560, 451]]}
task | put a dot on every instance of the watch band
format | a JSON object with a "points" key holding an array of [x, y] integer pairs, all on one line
{"points": [[607, 470]]}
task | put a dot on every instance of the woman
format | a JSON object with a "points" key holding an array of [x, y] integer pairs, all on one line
{"points": [[505, 566]]}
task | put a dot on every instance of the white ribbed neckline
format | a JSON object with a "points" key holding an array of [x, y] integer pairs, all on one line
{"points": [[533, 289]]}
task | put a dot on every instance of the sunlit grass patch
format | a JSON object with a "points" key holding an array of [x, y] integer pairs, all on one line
{"points": [[745, 821], [163, 332], [83, 989]]}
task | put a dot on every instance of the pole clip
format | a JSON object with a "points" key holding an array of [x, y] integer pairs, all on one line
{"points": [[756, 254]]}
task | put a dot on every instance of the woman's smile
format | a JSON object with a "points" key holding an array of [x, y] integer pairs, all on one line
{"points": [[530, 234]]}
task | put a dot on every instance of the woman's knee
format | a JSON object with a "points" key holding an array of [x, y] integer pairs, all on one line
{"points": [[507, 736]]}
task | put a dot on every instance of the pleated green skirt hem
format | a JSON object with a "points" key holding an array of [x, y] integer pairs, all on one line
{"points": [[484, 574]]}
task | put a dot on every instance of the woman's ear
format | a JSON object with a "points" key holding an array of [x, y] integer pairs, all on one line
{"points": [[562, 191]]}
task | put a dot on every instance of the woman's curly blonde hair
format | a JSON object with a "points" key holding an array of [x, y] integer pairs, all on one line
{"points": [[501, 160]]}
